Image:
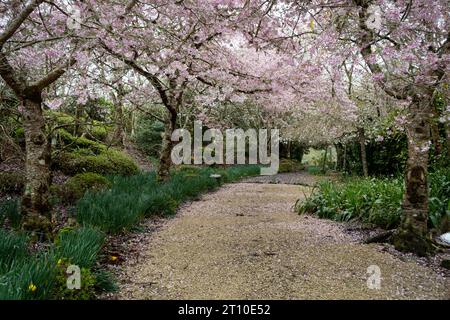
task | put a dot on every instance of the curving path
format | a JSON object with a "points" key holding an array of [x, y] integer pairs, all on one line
{"points": [[245, 242]]}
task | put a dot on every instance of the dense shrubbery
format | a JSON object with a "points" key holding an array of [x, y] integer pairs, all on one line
{"points": [[374, 200], [289, 165], [11, 182], [83, 155], [75, 187], [132, 198]]}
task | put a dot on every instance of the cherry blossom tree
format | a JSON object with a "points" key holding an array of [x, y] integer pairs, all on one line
{"points": [[405, 45], [36, 49]]}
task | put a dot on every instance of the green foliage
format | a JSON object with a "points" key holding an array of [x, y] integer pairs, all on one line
{"points": [[80, 246], [148, 136], [10, 212], [12, 182], [439, 200], [87, 284], [30, 278], [98, 131], [83, 155], [314, 170], [130, 198], [289, 165], [13, 247], [76, 186], [104, 281], [107, 162], [374, 200]]}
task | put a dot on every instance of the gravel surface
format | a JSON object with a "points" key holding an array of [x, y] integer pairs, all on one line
{"points": [[300, 177], [245, 242]]}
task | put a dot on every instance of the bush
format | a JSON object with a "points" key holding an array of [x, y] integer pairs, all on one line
{"points": [[87, 284], [12, 182], [80, 246], [10, 212], [289, 165], [76, 186], [108, 162]]}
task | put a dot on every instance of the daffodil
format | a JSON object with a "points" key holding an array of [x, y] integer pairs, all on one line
{"points": [[113, 258], [32, 287]]}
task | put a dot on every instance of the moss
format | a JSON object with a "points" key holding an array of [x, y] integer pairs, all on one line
{"points": [[98, 132], [83, 155], [71, 142], [76, 186], [12, 182], [107, 162]]}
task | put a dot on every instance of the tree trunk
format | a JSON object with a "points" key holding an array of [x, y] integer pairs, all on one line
{"points": [[435, 137], [165, 160], [119, 132], [362, 143], [412, 233], [339, 156], [325, 160], [35, 201]]}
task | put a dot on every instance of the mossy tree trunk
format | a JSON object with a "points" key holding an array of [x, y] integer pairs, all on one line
{"points": [[412, 235], [35, 201]]}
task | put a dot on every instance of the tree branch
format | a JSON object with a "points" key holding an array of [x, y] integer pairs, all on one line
{"points": [[12, 27]]}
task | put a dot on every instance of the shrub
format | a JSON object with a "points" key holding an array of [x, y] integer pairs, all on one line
{"points": [[12, 182], [98, 131], [87, 284], [76, 186], [289, 165], [71, 142], [80, 246], [10, 211], [314, 170], [108, 162]]}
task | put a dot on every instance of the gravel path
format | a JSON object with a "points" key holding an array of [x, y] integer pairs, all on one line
{"points": [[245, 242]]}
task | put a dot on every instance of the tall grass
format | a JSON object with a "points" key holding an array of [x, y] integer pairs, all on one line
{"points": [[374, 200], [13, 247], [30, 278], [132, 198], [80, 246]]}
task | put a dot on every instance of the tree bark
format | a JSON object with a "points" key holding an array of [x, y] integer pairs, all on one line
{"points": [[119, 132], [35, 201], [165, 160], [362, 143], [435, 137], [412, 234], [339, 156]]}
